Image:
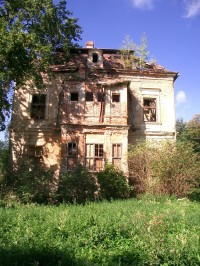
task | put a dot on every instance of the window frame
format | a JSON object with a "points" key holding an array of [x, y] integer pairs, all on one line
{"points": [[150, 93], [150, 110], [36, 105], [96, 154], [119, 155], [72, 156], [114, 95]]}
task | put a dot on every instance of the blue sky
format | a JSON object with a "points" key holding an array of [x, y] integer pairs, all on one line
{"points": [[172, 28]]}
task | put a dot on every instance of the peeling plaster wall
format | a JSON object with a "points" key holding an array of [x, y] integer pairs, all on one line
{"points": [[163, 90], [119, 122]]}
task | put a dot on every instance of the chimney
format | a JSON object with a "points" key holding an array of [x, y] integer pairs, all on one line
{"points": [[90, 44]]}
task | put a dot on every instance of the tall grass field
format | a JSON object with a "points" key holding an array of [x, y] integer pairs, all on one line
{"points": [[131, 232]]}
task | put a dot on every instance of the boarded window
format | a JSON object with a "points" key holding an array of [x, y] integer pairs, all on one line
{"points": [[116, 155], [74, 97], [72, 155], [116, 97], [38, 106], [89, 96], [94, 157], [149, 108], [95, 57]]}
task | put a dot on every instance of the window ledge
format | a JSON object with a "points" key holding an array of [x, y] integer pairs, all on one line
{"points": [[152, 123]]}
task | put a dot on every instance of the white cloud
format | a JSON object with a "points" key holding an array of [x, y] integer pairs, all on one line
{"points": [[192, 8], [143, 4], [181, 97]]}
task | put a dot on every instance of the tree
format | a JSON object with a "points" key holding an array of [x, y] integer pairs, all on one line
{"points": [[32, 31], [191, 132], [133, 54], [180, 127]]}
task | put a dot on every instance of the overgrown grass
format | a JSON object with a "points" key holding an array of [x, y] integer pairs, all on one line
{"points": [[130, 232]]}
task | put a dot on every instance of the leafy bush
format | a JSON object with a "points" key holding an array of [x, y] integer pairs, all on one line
{"points": [[32, 183], [77, 186], [113, 183], [170, 168]]}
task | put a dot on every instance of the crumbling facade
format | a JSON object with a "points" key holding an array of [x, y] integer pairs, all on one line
{"points": [[91, 110]]}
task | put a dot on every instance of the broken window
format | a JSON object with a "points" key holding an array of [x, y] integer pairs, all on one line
{"points": [[95, 57], [116, 97], [72, 155], [149, 107], [38, 106], [89, 96], [74, 97], [35, 151], [94, 157], [72, 149], [116, 155]]}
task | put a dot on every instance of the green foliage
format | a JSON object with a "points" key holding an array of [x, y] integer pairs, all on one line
{"points": [[190, 132], [170, 168], [32, 183], [113, 183], [4, 162], [77, 186], [131, 232], [31, 33], [134, 55], [127, 52], [142, 52]]}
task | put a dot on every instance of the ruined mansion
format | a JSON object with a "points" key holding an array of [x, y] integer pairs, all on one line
{"points": [[91, 110]]}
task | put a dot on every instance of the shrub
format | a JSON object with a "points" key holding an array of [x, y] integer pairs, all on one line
{"points": [[113, 183], [33, 183], [77, 186], [170, 168]]}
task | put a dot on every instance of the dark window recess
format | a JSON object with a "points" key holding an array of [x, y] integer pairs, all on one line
{"points": [[89, 96], [116, 98], [100, 97], [95, 57], [35, 151], [72, 149], [72, 155], [38, 106], [98, 150], [149, 107], [74, 97]]}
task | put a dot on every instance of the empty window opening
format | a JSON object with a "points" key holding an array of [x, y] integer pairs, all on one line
{"points": [[149, 107], [38, 106], [95, 57], [74, 97], [100, 97], [94, 157], [116, 155], [35, 151], [72, 155], [116, 97], [89, 96], [72, 149]]}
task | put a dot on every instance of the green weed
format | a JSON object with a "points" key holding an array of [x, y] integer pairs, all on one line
{"points": [[129, 232]]}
